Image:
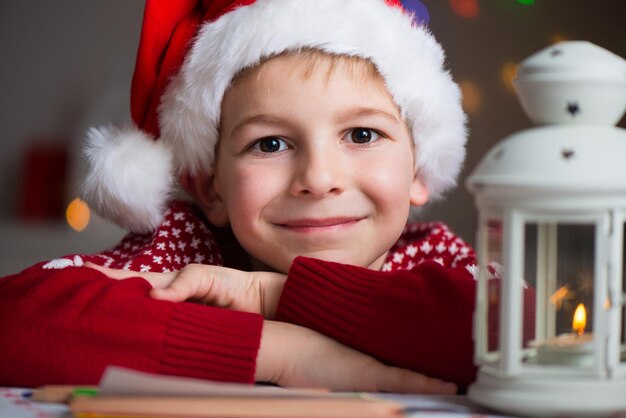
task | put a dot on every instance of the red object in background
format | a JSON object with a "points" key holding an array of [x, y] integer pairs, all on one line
{"points": [[44, 175]]}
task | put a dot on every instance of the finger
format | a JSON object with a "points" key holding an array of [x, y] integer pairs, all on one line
{"points": [[406, 381], [113, 273], [171, 294], [188, 284], [157, 280]]}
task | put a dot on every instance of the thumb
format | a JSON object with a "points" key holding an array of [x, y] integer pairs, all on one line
{"points": [[192, 282], [172, 293]]}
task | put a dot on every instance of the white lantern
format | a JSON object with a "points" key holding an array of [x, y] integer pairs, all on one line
{"points": [[552, 216]]}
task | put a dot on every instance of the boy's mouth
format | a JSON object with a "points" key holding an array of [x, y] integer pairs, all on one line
{"points": [[319, 224]]}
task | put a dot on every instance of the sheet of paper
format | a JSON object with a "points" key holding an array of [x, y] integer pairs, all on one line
{"points": [[120, 381]]}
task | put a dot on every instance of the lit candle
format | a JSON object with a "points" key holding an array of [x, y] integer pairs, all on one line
{"points": [[580, 319], [573, 349]]}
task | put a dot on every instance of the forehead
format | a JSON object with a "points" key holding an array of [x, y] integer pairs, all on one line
{"points": [[308, 63], [304, 86]]}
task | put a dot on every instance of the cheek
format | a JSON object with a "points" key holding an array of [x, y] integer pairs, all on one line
{"points": [[248, 191], [390, 180]]}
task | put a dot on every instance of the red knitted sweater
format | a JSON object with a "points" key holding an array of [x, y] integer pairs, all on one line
{"points": [[61, 323]]}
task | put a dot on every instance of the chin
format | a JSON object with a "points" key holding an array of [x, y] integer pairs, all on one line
{"points": [[343, 258], [283, 265]]}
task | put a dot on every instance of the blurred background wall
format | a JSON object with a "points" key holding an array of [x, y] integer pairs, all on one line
{"points": [[67, 65]]}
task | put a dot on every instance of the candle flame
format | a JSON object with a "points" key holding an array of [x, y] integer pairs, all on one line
{"points": [[580, 319]]}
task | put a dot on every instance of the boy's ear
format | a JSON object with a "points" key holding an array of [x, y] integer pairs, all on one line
{"points": [[202, 187], [419, 192]]}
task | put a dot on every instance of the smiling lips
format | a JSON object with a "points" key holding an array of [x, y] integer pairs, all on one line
{"points": [[319, 225]]}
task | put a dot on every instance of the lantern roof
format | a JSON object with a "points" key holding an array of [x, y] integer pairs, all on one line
{"points": [[576, 92], [575, 59]]}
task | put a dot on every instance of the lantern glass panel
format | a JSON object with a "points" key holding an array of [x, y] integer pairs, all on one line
{"points": [[559, 262], [623, 310], [491, 267], [530, 266]]}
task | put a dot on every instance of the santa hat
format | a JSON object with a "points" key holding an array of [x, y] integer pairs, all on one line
{"points": [[189, 52]]}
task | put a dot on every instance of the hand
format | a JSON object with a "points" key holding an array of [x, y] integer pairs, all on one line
{"points": [[295, 356], [256, 292]]}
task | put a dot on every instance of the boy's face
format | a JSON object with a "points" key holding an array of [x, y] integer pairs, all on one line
{"points": [[315, 163]]}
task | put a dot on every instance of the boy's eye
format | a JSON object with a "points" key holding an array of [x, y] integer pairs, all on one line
{"points": [[269, 144], [363, 135]]}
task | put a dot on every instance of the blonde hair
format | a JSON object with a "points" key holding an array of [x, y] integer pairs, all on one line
{"points": [[361, 68]]}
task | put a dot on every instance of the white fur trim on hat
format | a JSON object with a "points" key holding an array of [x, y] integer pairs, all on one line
{"points": [[130, 177], [407, 56]]}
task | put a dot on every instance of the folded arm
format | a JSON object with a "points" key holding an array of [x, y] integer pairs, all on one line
{"points": [[64, 326]]}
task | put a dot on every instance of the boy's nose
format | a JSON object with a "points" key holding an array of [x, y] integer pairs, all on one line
{"points": [[317, 174]]}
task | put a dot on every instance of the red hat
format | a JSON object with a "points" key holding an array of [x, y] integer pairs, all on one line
{"points": [[189, 52]]}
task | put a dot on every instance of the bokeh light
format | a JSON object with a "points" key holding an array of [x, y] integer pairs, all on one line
{"points": [[467, 9], [508, 73], [526, 2], [558, 37], [77, 215], [419, 11], [472, 97]]}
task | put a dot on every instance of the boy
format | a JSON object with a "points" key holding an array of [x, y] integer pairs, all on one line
{"points": [[304, 130]]}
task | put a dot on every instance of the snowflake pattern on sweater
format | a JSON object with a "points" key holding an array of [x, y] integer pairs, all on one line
{"points": [[433, 241], [183, 238]]}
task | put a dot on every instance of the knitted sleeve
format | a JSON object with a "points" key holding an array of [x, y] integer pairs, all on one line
{"points": [[419, 319], [64, 326]]}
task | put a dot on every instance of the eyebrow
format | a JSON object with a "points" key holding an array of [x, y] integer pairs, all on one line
{"points": [[360, 112], [260, 118], [353, 113]]}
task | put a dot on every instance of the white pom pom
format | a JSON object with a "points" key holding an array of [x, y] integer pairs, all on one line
{"points": [[130, 177]]}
